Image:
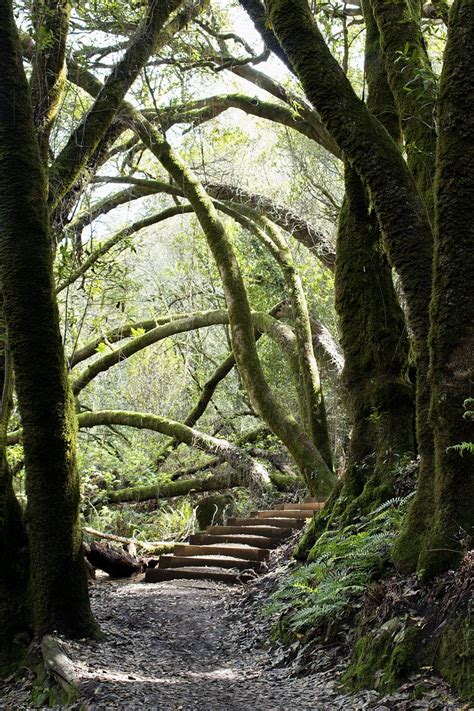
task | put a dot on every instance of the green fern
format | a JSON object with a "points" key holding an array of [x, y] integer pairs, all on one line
{"points": [[343, 564]]}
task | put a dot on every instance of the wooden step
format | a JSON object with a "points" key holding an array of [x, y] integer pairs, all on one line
{"points": [[257, 541], [261, 530], [156, 575], [279, 522], [288, 513], [184, 561], [299, 507], [243, 551]]}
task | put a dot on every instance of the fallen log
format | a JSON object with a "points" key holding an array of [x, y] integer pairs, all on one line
{"points": [[217, 482], [131, 543], [117, 564], [60, 666]]}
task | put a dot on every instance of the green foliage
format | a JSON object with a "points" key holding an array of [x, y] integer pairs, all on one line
{"points": [[344, 562], [169, 522]]}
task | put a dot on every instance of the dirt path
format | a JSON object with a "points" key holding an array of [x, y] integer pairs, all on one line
{"points": [[183, 645], [196, 646], [173, 646]]}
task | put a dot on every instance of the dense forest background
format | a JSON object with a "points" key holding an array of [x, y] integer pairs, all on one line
{"points": [[236, 245]]}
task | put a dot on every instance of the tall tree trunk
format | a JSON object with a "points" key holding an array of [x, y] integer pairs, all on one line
{"points": [[451, 518], [58, 577], [413, 84], [379, 397], [401, 213], [375, 346], [15, 612]]}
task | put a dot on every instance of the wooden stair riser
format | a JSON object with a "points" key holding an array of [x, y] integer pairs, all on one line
{"points": [[241, 545], [157, 575], [262, 530], [176, 561], [247, 553], [257, 541], [282, 514], [292, 523], [298, 507]]}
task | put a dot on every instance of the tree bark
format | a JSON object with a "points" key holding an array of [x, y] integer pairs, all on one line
{"points": [[58, 578], [448, 510], [373, 330]]}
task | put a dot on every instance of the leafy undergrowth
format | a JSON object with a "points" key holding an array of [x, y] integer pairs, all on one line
{"points": [[344, 563], [385, 630]]}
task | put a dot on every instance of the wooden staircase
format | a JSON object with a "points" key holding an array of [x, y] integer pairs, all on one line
{"points": [[237, 550]]}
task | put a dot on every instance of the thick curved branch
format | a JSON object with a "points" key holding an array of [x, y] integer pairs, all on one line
{"points": [[251, 472], [299, 117], [317, 475], [263, 322], [303, 231], [210, 386]]}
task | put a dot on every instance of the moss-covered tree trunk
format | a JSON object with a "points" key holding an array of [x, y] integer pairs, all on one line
{"points": [[379, 397], [372, 324], [412, 82], [375, 345], [452, 327], [15, 617], [401, 213], [58, 577]]}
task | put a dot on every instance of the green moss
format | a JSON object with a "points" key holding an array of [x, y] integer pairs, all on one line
{"points": [[47, 692], [452, 656], [383, 659]]}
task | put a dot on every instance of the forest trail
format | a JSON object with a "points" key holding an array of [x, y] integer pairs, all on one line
{"points": [[197, 646], [188, 645]]}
